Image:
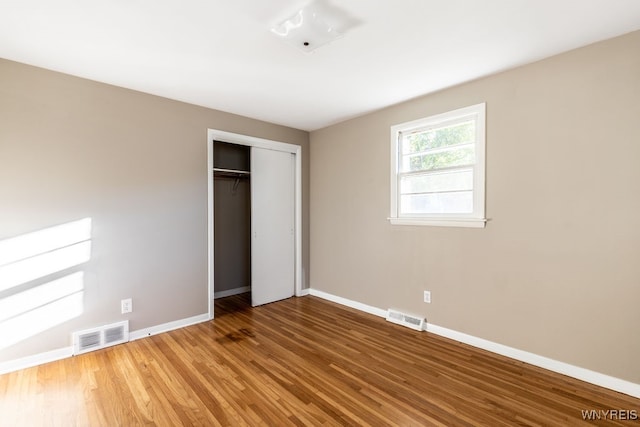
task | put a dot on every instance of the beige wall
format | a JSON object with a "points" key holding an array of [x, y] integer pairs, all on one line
{"points": [[136, 165], [557, 269]]}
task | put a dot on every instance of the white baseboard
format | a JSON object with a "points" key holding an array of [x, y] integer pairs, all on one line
{"points": [[602, 380], [166, 327], [303, 292], [35, 360], [63, 353], [231, 292], [349, 303]]}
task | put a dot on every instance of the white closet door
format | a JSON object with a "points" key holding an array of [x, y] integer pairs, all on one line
{"points": [[272, 226]]}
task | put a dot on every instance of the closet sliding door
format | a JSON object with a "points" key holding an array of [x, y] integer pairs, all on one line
{"points": [[272, 225]]}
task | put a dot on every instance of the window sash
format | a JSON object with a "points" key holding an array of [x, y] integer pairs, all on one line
{"points": [[449, 179], [442, 125], [419, 185], [462, 160]]}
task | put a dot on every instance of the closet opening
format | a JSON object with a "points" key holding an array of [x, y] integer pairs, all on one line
{"points": [[255, 220], [232, 226]]}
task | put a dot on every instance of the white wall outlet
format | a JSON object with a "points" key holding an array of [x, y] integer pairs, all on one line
{"points": [[126, 306], [427, 297]]}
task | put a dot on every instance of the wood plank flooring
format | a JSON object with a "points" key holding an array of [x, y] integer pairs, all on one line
{"points": [[302, 361]]}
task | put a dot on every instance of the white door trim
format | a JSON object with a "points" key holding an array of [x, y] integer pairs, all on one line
{"points": [[252, 141]]}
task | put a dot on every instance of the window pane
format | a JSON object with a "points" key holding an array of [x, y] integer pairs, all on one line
{"points": [[438, 169], [444, 136], [437, 182], [455, 156], [437, 203]]}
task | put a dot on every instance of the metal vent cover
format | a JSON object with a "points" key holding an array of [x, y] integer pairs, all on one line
{"points": [[408, 320], [89, 340], [100, 337], [112, 335]]}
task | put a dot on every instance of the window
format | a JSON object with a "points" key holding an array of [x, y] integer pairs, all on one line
{"points": [[437, 169]]}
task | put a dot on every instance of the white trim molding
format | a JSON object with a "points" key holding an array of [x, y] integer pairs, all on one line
{"points": [[169, 326], [35, 360], [252, 141], [349, 303], [596, 378], [303, 292], [66, 352], [468, 223], [447, 218], [573, 371]]}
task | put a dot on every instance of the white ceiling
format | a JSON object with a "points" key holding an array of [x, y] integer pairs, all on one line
{"points": [[221, 54]]}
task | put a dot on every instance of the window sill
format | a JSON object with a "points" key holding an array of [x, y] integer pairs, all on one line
{"points": [[440, 222]]}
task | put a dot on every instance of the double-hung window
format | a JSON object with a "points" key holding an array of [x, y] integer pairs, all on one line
{"points": [[437, 169]]}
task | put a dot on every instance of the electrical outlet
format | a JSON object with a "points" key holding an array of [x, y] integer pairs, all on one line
{"points": [[427, 297], [126, 306]]}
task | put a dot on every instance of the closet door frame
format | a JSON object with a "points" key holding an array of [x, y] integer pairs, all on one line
{"points": [[251, 141]]}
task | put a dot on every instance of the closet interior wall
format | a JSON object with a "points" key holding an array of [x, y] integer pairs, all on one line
{"points": [[232, 219]]}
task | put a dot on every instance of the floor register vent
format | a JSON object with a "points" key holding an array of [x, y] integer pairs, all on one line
{"points": [[404, 319], [100, 337]]}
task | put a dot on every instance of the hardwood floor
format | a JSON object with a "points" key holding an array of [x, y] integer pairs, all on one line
{"points": [[302, 361]]}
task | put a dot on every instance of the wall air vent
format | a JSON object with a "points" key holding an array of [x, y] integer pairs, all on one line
{"points": [[100, 337], [404, 319]]}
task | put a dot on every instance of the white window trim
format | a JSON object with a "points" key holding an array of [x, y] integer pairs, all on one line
{"points": [[474, 220]]}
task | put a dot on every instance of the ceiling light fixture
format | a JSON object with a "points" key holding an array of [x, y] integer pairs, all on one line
{"points": [[309, 28]]}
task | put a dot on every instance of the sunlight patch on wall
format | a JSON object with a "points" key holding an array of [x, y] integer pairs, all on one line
{"points": [[37, 255], [28, 313]]}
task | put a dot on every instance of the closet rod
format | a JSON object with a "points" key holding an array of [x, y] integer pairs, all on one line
{"points": [[234, 171]]}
